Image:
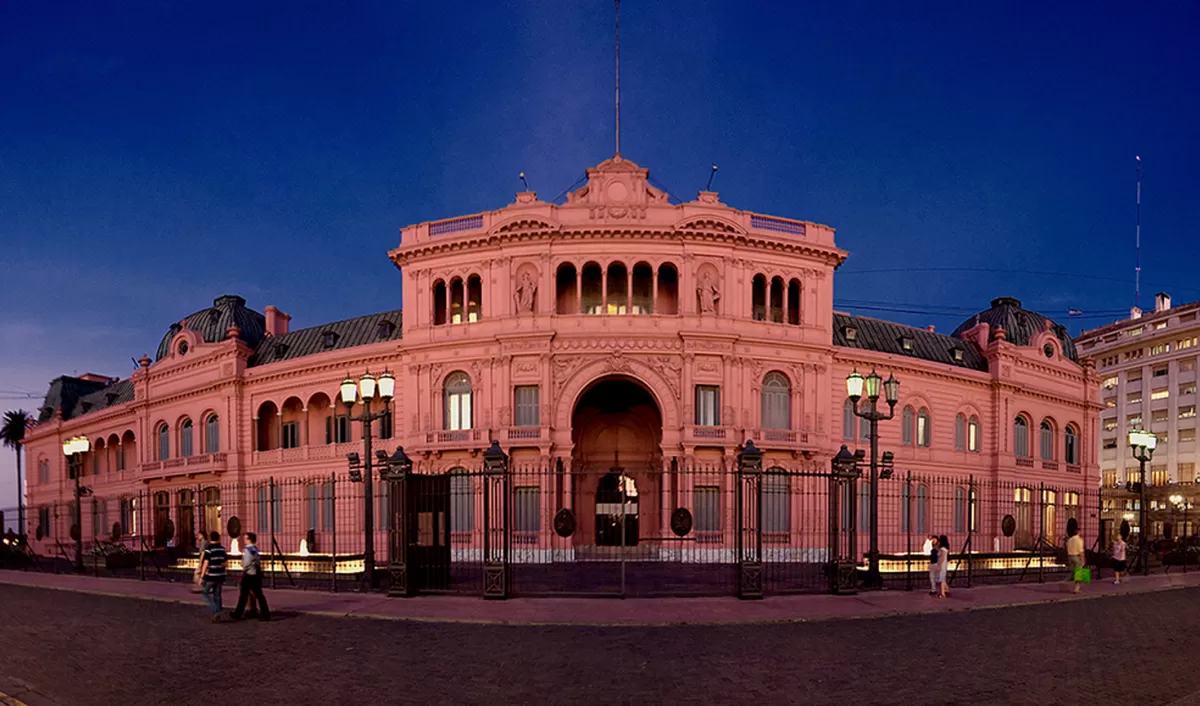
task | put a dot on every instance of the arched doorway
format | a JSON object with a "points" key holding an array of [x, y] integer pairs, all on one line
{"points": [[616, 430]]}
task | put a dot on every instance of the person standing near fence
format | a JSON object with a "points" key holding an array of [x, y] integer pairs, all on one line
{"points": [[943, 555], [251, 587], [212, 567], [1118, 558], [931, 548], [1075, 551]]}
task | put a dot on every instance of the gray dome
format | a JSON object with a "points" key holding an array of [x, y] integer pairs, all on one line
{"points": [[214, 322], [1020, 324]]}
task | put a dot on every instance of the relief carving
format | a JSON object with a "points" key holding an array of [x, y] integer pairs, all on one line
{"points": [[527, 367], [505, 416], [617, 362], [707, 367], [728, 415]]}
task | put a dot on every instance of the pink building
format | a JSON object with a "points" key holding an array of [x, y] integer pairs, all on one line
{"points": [[620, 349]]}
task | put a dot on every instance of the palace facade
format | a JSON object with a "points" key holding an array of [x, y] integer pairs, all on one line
{"points": [[615, 330]]}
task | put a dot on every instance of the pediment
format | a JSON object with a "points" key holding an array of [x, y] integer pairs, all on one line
{"points": [[709, 223], [618, 185], [524, 223]]}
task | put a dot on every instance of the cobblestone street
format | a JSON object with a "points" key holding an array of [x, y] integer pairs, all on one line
{"points": [[74, 648]]}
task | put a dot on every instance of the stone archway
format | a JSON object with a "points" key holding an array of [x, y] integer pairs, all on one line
{"points": [[616, 434]]}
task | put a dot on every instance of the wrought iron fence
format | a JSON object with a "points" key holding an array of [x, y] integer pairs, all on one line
{"points": [[678, 529]]}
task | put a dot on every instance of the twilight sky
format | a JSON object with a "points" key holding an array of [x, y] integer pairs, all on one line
{"points": [[156, 155]]}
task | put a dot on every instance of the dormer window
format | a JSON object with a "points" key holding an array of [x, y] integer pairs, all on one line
{"points": [[329, 339], [906, 342], [851, 333], [111, 397], [385, 329], [281, 350], [957, 354]]}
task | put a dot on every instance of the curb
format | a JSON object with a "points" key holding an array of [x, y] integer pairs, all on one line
{"points": [[616, 624]]}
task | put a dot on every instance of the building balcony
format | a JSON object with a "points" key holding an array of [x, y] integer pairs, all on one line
{"points": [[172, 467], [1074, 468], [719, 436], [1049, 465], [526, 435], [1024, 462], [785, 439], [457, 440]]}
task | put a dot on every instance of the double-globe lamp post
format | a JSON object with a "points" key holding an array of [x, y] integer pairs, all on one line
{"points": [[856, 386], [74, 449], [368, 390], [1143, 443]]}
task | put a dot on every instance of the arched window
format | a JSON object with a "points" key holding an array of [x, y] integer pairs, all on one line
{"points": [[960, 432], [1021, 437], [643, 289], [212, 435], [793, 302], [776, 402], [566, 289], [923, 431], [849, 422], [776, 501], [777, 300], [758, 298], [1047, 440], [185, 439], [439, 303], [906, 426], [164, 442], [973, 434], [593, 292], [618, 289], [456, 301], [474, 298], [1071, 446], [457, 413], [668, 290]]}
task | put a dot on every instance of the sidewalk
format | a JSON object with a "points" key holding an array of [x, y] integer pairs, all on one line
{"points": [[633, 611]]}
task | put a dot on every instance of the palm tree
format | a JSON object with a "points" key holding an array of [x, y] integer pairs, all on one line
{"points": [[12, 434]]}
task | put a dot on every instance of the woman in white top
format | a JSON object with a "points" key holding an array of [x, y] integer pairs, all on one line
{"points": [[1118, 558], [1075, 552]]}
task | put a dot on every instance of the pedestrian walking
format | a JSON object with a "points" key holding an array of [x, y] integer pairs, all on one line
{"points": [[931, 548], [198, 575], [1075, 557], [943, 554], [212, 567], [1118, 558], [251, 587]]}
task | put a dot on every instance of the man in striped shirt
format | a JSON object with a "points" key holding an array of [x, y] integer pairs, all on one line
{"points": [[212, 568]]}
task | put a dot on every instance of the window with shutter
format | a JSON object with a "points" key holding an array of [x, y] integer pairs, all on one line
{"points": [[776, 402], [526, 403]]}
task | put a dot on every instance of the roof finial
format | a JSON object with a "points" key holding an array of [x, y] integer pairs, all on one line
{"points": [[617, 25]]}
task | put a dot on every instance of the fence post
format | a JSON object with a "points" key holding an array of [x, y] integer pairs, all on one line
{"points": [[970, 528], [271, 524], [333, 558], [749, 471], [908, 508], [1039, 547], [141, 538], [495, 573], [95, 544]]}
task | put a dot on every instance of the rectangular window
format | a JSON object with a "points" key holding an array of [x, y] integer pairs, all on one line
{"points": [[327, 507], [458, 411], [1158, 416], [1187, 365], [707, 504], [1160, 349], [291, 435], [960, 509], [1186, 343], [777, 503], [1161, 393], [1187, 434], [1187, 388], [1110, 402], [383, 508], [1110, 425], [261, 502], [1160, 371], [1133, 421], [1159, 476], [1133, 398], [527, 403], [972, 435], [44, 521], [1187, 412], [462, 503], [1160, 325], [1185, 472], [708, 406], [1109, 479], [1110, 382], [341, 430], [312, 508], [387, 426], [277, 498], [1110, 443], [527, 515], [1134, 331]]}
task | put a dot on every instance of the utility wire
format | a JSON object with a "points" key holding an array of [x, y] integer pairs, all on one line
{"points": [[1040, 273]]}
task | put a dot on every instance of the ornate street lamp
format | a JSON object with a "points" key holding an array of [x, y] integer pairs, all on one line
{"points": [[368, 390], [1142, 444], [74, 449], [856, 385]]}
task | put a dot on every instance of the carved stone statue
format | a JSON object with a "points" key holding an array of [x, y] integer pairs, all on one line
{"points": [[526, 289], [708, 293]]}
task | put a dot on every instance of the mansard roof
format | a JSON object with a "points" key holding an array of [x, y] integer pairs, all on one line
{"points": [[896, 339], [76, 396], [1020, 324], [359, 331]]}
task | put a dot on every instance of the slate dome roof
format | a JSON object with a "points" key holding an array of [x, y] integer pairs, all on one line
{"points": [[213, 322], [1020, 324]]}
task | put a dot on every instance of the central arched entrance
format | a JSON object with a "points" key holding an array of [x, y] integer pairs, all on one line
{"points": [[616, 432]]}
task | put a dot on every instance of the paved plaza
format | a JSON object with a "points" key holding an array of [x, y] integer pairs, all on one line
{"points": [[80, 647]]}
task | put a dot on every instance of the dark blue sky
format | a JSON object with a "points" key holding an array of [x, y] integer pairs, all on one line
{"points": [[155, 155]]}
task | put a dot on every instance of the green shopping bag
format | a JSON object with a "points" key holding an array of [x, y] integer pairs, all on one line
{"points": [[1083, 575]]}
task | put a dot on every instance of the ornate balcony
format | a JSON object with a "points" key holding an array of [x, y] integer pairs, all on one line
{"points": [[530, 435], [204, 463], [457, 440], [1024, 462], [786, 439], [1049, 465], [719, 436]]}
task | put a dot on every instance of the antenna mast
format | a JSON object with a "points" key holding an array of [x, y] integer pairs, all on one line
{"points": [[617, 23], [1137, 266]]}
